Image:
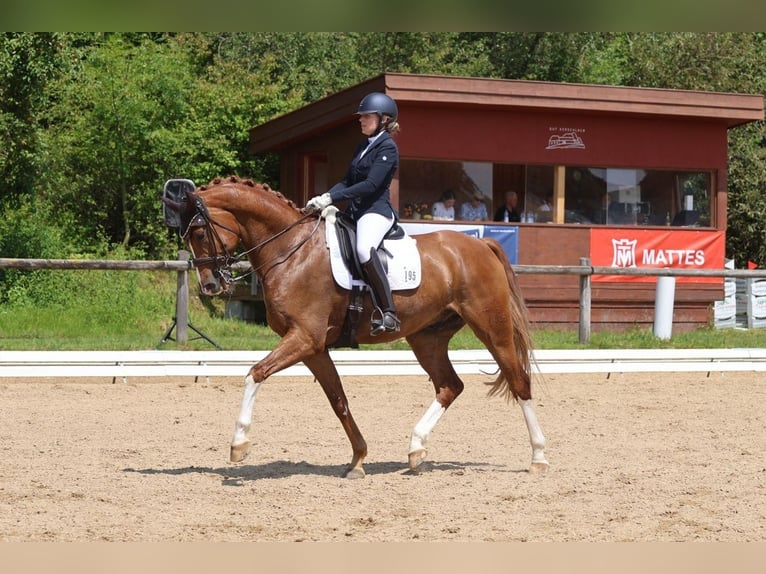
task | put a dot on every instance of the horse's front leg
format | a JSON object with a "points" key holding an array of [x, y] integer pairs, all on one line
{"points": [[240, 444], [292, 348], [324, 370]]}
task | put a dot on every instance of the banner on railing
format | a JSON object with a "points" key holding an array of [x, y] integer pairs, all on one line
{"points": [[506, 235], [656, 249]]}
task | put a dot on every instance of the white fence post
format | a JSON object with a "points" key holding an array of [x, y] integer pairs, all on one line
{"points": [[585, 303], [663, 307]]}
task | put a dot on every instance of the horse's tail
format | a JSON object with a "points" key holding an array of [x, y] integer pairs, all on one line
{"points": [[522, 340]]}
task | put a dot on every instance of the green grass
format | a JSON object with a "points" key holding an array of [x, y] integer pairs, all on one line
{"points": [[102, 310]]}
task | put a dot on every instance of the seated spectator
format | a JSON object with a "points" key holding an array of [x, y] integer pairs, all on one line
{"points": [[509, 211], [474, 210], [444, 209]]}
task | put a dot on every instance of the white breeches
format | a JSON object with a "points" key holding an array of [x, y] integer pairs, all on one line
{"points": [[370, 231]]}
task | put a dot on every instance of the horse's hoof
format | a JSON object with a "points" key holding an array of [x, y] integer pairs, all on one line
{"points": [[353, 473], [417, 457], [239, 451], [538, 468]]}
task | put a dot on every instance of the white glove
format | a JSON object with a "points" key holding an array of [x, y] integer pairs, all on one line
{"points": [[319, 202]]}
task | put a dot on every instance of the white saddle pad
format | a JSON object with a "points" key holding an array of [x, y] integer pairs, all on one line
{"points": [[403, 264]]}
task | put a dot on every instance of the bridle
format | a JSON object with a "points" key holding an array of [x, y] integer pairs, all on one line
{"points": [[223, 262]]}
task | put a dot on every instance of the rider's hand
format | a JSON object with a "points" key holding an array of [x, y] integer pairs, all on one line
{"points": [[319, 202]]}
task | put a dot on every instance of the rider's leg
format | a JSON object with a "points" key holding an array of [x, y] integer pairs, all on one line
{"points": [[370, 230], [384, 318]]}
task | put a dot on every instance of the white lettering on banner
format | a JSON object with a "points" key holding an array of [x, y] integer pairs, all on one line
{"points": [[624, 255], [624, 252], [654, 248], [673, 257]]}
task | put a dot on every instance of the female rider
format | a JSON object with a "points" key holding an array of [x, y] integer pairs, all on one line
{"points": [[366, 185]]}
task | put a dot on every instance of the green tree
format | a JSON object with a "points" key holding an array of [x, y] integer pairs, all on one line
{"points": [[726, 62], [746, 235], [93, 124], [137, 110], [112, 134], [27, 62]]}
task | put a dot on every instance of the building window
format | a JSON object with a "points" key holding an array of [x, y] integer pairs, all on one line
{"points": [[422, 182], [592, 195], [614, 196]]}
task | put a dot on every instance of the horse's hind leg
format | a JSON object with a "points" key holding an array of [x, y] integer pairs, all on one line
{"points": [[431, 349], [514, 380], [324, 370], [536, 438]]}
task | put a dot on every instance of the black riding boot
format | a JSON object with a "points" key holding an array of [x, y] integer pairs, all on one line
{"points": [[384, 319]]}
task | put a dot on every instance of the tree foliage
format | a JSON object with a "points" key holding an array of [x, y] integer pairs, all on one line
{"points": [[92, 124], [27, 61]]}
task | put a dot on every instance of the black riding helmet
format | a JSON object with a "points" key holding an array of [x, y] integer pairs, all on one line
{"points": [[378, 103]]}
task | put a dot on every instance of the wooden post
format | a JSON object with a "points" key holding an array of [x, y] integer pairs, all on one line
{"points": [[585, 297], [559, 182], [182, 301]]}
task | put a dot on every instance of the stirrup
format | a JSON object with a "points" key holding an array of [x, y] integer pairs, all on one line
{"points": [[387, 323]]}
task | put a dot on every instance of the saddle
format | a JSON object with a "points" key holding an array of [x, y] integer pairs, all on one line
{"points": [[345, 233], [345, 229]]}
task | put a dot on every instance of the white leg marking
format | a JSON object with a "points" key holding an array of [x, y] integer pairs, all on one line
{"points": [[245, 418], [535, 433], [423, 429]]}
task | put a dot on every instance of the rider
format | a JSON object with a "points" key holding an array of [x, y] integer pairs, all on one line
{"points": [[366, 184]]}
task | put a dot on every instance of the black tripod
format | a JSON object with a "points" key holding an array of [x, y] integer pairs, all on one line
{"points": [[182, 306], [167, 336]]}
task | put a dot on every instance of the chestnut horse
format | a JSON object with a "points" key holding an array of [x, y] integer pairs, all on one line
{"points": [[465, 280]]}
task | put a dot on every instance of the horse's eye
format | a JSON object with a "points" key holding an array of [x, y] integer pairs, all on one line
{"points": [[199, 235]]}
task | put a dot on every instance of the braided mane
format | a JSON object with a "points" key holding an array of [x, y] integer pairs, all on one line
{"points": [[249, 183]]}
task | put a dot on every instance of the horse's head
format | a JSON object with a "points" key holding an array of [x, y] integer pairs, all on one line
{"points": [[212, 236]]}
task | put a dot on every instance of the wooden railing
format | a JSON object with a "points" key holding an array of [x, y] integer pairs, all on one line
{"points": [[183, 265]]}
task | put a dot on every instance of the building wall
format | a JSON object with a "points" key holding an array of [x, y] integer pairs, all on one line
{"points": [[516, 136]]}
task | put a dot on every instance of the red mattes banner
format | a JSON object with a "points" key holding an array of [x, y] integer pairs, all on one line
{"points": [[654, 248]]}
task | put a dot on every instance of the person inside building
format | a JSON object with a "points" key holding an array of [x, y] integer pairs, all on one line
{"points": [[509, 210], [366, 186], [544, 213], [444, 209], [474, 210]]}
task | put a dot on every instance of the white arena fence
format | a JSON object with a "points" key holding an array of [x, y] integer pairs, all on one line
{"points": [[206, 364]]}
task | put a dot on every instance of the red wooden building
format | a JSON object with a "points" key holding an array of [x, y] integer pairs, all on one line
{"points": [[625, 176]]}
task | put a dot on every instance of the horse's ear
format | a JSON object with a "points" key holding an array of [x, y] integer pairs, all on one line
{"points": [[172, 205]]}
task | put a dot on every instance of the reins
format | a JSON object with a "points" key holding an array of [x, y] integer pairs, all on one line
{"points": [[224, 262]]}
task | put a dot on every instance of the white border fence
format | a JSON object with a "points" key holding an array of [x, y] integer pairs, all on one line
{"points": [[207, 364]]}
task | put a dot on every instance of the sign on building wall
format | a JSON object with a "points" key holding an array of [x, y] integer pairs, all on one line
{"points": [[658, 249], [506, 235]]}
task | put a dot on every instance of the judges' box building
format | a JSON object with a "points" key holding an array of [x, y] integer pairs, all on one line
{"points": [[624, 176]]}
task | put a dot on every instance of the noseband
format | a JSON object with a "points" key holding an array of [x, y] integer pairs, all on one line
{"points": [[224, 262]]}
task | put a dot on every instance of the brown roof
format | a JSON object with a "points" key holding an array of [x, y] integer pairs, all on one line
{"points": [[733, 109]]}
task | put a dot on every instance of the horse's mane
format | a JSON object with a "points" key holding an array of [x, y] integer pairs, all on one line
{"points": [[248, 183]]}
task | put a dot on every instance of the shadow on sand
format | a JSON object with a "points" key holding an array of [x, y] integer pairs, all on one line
{"points": [[235, 475]]}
